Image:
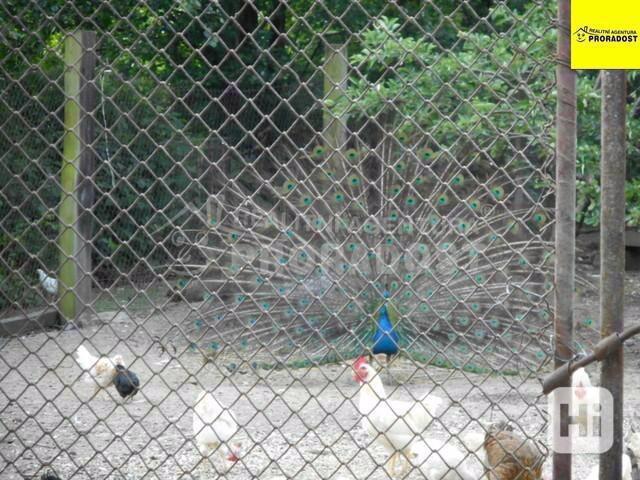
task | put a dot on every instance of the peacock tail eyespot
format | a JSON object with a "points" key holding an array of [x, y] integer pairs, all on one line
{"points": [[352, 154], [288, 186], [539, 218], [318, 151], [354, 181], [443, 199], [457, 180], [400, 167], [474, 205], [497, 192], [426, 154], [339, 197], [411, 201]]}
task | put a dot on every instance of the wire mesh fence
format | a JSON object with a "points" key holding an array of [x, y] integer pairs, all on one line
{"points": [[278, 188]]}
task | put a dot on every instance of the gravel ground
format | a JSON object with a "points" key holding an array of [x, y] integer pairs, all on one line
{"points": [[300, 424]]}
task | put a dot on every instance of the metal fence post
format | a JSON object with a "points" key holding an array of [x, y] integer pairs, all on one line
{"points": [[612, 252], [566, 135], [78, 166]]}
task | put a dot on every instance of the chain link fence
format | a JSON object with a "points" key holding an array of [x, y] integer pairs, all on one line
{"points": [[271, 190]]}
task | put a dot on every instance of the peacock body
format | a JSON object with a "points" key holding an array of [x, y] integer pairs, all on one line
{"points": [[295, 265], [385, 339]]}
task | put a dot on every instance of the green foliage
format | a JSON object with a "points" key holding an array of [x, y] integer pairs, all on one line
{"points": [[494, 87], [491, 87], [588, 154]]}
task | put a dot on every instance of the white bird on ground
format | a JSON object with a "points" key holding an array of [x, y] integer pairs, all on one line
{"points": [[394, 424], [213, 427], [438, 460], [48, 284], [582, 394], [101, 371], [631, 450]]}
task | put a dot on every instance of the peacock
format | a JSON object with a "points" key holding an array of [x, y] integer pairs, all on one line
{"points": [[293, 262], [385, 339]]}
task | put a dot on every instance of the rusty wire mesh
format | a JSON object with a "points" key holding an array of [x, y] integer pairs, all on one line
{"points": [[253, 212]]}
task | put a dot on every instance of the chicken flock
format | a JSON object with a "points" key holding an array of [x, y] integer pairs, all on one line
{"points": [[403, 429]]}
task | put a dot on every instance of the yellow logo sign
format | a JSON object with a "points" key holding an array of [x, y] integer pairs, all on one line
{"points": [[605, 35]]}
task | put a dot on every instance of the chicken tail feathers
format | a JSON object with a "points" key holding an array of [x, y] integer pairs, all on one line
{"points": [[84, 358]]}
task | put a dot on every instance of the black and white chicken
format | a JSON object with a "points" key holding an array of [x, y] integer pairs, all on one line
{"points": [[126, 382]]}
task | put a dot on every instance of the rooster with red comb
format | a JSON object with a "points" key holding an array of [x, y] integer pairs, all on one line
{"points": [[394, 424]]}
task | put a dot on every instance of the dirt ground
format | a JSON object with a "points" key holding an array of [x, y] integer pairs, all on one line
{"points": [[300, 424]]}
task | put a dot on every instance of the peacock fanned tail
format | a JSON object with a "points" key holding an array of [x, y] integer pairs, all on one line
{"points": [[295, 269]]}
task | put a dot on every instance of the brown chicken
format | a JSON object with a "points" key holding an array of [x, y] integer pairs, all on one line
{"points": [[510, 456]]}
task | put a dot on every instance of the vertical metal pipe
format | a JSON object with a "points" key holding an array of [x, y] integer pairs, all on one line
{"points": [[612, 180], [565, 208]]}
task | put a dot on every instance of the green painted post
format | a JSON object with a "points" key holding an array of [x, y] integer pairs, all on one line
{"points": [[78, 166], [335, 82]]}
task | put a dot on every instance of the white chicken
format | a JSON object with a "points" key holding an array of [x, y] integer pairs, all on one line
{"points": [[582, 394], [438, 460], [632, 447], [626, 469], [102, 371], [48, 284], [394, 424], [213, 427]]}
